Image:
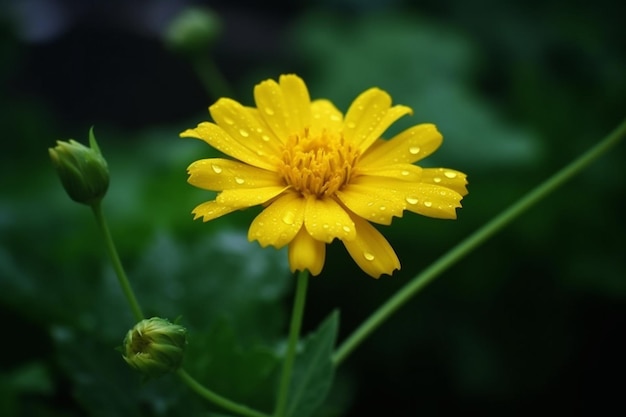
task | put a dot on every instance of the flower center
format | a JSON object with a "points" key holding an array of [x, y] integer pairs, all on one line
{"points": [[318, 165]]}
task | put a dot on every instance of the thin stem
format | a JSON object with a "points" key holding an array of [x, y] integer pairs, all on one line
{"points": [[294, 333], [117, 264], [217, 399], [473, 241], [212, 79]]}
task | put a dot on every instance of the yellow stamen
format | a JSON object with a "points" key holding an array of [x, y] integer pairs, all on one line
{"points": [[317, 166]]}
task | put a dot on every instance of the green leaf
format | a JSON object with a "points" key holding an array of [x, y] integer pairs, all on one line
{"points": [[314, 371], [245, 375]]}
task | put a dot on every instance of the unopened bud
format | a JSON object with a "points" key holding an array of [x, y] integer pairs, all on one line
{"points": [[83, 170], [155, 347], [193, 31]]}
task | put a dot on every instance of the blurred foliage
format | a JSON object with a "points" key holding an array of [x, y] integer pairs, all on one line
{"points": [[530, 320]]}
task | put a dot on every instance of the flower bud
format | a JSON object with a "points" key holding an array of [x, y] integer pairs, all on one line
{"points": [[83, 170], [155, 346], [193, 30]]}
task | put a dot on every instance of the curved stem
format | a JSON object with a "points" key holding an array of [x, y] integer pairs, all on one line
{"points": [[117, 264], [473, 241], [294, 333], [217, 399], [212, 79]]}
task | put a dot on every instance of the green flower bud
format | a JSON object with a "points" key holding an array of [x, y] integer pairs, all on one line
{"points": [[193, 30], [83, 170], [155, 346]]}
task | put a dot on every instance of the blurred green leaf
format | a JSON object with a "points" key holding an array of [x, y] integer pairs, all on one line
{"points": [[313, 371], [246, 375], [423, 65]]}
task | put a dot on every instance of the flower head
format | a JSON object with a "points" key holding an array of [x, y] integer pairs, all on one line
{"points": [[321, 175], [155, 346]]}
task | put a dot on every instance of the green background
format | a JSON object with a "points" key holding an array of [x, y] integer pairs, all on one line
{"points": [[532, 320]]}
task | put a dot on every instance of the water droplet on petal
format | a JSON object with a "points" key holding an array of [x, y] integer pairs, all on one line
{"points": [[216, 168], [335, 118], [411, 200], [289, 217], [382, 208], [405, 173], [428, 203], [370, 204], [228, 121], [244, 133], [450, 174], [265, 138], [351, 125], [437, 179], [368, 256], [346, 229], [325, 226], [239, 180], [269, 111], [414, 150]]}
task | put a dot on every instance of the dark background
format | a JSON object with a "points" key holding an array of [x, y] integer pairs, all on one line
{"points": [[531, 321]]}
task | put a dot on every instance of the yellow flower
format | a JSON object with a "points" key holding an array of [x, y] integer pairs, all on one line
{"points": [[321, 175]]}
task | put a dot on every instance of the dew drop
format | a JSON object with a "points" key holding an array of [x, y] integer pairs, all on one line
{"points": [[244, 133], [335, 118], [239, 180], [351, 125], [428, 203], [382, 208], [346, 229], [450, 174], [411, 200], [265, 138], [216, 168], [437, 179], [289, 217], [405, 173], [368, 256], [228, 121], [269, 111], [370, 204], [325, 226], [414, 150]]}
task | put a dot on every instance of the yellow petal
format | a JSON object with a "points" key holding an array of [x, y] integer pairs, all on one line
{"points": [[325, 118], [221, 174], [407, 147], [248, 197], [306, 253], [369, 116], [404, 172], [374, 198], [445, 177], [244, 126], [279, 222], [222, 141], [371, 251], [434, 201], [285, 107], [211, 210], [326, 220]]}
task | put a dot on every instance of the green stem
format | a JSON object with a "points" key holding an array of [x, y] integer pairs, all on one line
{"points": [[217, 399], [117, 264], [473, 241], [212, 79], [294, 333]]}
